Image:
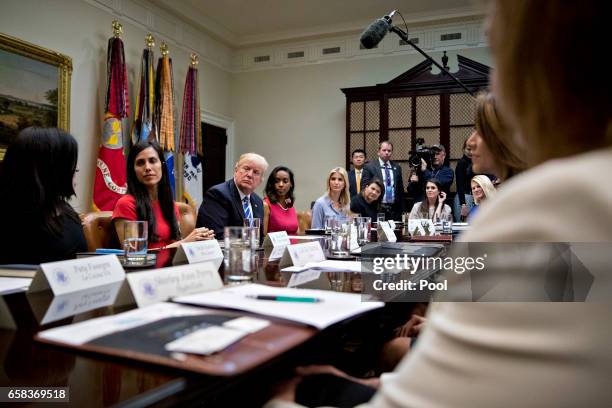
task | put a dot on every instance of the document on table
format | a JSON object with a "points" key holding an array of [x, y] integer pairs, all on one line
{"points": [[327, 265], [318, 308], [83, 332], [10, 285]]}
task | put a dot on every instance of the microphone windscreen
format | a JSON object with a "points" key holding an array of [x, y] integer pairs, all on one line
{"points": [[374, 33]]}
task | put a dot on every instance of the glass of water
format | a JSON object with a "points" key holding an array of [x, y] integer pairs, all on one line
{"points": [[135, 236], [255, 225], [363, 226], [240, 263]]}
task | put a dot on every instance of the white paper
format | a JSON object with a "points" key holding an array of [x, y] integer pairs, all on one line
{"points": [[10, 285], [247, 324], [391, 224], [327, 265], [388, 233], [301, 254], [277, 253], [206, 341], [332, 307], [80, 333]]}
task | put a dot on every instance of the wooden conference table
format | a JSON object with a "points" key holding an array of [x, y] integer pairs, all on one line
{"points": [[96, 380]]}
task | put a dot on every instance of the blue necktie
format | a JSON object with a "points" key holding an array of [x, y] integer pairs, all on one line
{"points": [[388, 185], [247, 210]]}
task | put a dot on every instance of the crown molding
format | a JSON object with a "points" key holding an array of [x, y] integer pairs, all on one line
{"points": [[429, 37], [168, 27]]}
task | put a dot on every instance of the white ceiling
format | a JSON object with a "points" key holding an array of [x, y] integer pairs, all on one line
{"points": [[241, 23]]}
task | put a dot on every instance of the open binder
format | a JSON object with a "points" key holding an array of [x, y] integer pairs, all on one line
{"points": [[145, 342]]}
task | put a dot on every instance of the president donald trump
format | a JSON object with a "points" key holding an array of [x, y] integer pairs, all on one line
{"points": [[231, 202]]}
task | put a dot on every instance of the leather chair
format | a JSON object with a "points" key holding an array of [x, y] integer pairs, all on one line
{"points": [[100, 232], [304, 221]]}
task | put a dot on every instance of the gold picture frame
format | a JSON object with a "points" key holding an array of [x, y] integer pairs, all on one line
{"points": [[34, 88]]}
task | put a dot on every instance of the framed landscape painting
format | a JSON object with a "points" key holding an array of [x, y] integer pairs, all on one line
{"points": [[34, 88]]}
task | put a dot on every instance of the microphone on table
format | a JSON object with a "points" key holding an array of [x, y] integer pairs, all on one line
{"points": [[376, 31]]}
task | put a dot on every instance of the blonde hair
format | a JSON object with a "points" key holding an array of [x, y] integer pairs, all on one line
{"points": [[345, 198], [546, 77], [487, 187], [254, 157], [507, 155]]}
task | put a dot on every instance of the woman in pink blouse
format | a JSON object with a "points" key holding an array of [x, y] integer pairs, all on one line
{"points": [[279, 213]]}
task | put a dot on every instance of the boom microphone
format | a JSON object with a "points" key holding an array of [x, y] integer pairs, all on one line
{"points": [[376, 31]]}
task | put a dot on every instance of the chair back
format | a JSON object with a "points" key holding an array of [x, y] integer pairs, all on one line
{"points": [[187, 218], [99, 230], [304, 220]]}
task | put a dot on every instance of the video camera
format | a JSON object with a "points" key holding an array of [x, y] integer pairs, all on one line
{"points": [[421, 152]]}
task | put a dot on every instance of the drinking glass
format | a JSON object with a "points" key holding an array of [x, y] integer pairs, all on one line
{"points": [[240, 263], [340, 240], [135, 235], [363, 226], [255, 225]]}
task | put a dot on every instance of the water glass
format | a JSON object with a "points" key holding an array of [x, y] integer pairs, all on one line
{"points": [[447, 227], [363, 226], [240, 263], [135, 236], [331, 222], [340, 240], [255, 225]]}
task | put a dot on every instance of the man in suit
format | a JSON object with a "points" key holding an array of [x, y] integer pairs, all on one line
{"points": [[231, 202], [358, 159], [391, 175]]}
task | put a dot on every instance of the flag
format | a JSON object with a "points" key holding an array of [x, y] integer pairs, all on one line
{"points": [[164, 118], [191, 138], [143, 128], [109, 183]]}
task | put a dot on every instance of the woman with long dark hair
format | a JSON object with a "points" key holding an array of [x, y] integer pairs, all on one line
{"points": [[432, 207], [38, 224], [149, 198], [279, 213]]}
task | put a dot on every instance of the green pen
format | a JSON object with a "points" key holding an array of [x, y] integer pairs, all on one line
{"points": [[286, 298]]}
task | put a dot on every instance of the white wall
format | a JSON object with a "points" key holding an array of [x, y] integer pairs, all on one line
{"points": [[80, 30], [296, 116]]}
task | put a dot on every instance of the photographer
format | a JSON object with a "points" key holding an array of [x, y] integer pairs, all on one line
{"points": [[438, 170]]}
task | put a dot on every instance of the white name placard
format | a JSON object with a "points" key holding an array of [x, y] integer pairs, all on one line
{"points": [[301, 254], [421, 227], [391, 224], [275, 239], [277, 252], [162, 284], [78, 274], [199, 251], [385, 232]]}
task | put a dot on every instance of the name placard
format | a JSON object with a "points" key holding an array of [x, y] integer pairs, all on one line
{"points": [[391, 224], [65, 277], [162, 284], [385, 232], [301, 254], [275, 239], [276, 252], [421, 227], [199, 251]]}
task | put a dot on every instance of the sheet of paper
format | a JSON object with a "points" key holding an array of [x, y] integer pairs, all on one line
{"points": [[247, 324], [10, 285], [327, 265], [80, 333], [330, 308], [298, 279], [206, 341]]}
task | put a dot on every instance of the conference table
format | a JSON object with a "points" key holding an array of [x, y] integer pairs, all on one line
{"points": [[98, 380]]}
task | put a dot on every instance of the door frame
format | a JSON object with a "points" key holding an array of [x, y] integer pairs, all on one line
{"points": [[227, 123]]}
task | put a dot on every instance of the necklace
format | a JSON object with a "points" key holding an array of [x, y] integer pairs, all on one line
{"points": [[281, 206]]}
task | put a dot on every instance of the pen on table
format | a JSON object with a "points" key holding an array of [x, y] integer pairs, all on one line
{"points": [[286, 298]]}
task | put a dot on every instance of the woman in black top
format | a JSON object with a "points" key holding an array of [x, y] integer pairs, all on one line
{"points": [[368, 201], [38, 224], [463, 175]]}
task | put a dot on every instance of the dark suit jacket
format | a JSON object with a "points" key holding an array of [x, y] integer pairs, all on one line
{"points": [[353, 182], [222, 207], [372, 170]]}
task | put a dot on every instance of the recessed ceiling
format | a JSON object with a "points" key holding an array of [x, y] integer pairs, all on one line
{"points": [[250, 22]]}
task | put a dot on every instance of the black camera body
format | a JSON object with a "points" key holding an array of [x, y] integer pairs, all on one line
{"points": [[421, 152]]}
